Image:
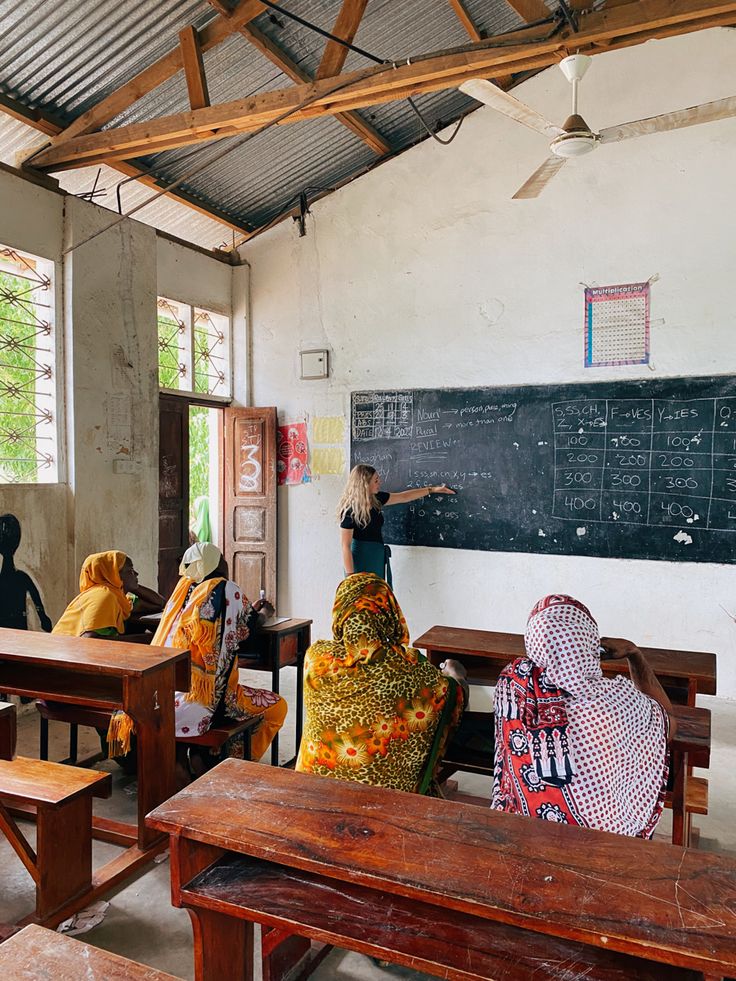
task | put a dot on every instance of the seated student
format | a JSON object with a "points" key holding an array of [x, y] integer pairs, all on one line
{"points": [[210, 616], [109, 593], [377, 711], [109, 597], [575, 747]]}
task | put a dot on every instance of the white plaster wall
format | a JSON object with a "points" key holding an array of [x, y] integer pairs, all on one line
{"points": [[31, 220], [425, 273], [112, 354], [106, 291], [191, 277]]}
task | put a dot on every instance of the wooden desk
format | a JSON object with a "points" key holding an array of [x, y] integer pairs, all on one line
{"points": [[659, 902], [141, 680], [285, 644], [485, 653], [42, 954]]}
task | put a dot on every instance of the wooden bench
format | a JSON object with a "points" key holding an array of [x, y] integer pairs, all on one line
{"points": [[73, 716], [8, 730], [37, 953], [217, 737], [61, 864], [461, 892]]}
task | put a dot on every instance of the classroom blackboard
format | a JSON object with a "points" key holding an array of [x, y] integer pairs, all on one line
{"points": [[637, 469]]}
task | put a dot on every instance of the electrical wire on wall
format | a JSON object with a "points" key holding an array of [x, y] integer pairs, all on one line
{"points": [[380, 66]]}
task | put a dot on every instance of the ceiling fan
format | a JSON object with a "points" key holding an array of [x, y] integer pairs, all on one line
{"points": [[575, 138]]}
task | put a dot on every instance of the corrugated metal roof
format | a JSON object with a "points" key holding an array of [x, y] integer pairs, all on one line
{"points": [[65, 57], [165, 213]]}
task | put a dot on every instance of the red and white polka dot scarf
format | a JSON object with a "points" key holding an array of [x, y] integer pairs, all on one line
{"points": [[571, 745]]}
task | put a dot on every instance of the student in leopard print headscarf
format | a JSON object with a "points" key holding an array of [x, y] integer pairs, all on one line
{"points": [[377, 711]]}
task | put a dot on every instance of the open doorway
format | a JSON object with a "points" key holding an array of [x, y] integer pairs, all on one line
{"points": [[205, 470], [190, 481]]}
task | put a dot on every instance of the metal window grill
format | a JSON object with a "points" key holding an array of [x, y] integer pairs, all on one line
{"points": [[193, 350], [28, 430], [211, 361], [173, 331]]}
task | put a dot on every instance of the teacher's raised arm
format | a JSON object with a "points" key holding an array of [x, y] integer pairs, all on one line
{"points": [[361, 520]]}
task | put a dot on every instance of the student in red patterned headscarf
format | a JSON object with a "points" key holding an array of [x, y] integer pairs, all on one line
{"points": [[575, 747]]}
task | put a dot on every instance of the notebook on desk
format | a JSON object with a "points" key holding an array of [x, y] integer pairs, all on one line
{"points": [[274, 621]]}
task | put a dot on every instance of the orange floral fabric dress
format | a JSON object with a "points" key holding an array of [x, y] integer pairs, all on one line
{"points": [[377, 711]]}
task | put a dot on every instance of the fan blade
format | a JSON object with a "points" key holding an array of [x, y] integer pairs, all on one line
{"points": [[540, 178], [707, 112], [491, 95]]}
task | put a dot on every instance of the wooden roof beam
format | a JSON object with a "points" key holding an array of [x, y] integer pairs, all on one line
{"points": [[122, 98], [466, 20], [605, 29], [191, 56], [346, 26], [463, 15], [531, 10], [44, 122], [354, 122]]}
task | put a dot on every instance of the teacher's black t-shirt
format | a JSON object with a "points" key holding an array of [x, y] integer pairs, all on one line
{"points": [[373, 531]]}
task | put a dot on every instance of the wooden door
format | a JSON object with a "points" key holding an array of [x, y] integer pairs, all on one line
{"points": [[250, 499], [173, 489]]}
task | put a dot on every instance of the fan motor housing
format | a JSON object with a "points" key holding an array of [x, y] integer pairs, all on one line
{"points": [[576, 140]]}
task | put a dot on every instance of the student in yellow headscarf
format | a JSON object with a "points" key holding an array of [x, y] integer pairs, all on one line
{"points": [[102, 605], [109, 592]]}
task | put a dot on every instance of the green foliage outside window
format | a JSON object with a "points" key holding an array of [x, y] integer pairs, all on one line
{"points": [[199, 454], [27, 424]]}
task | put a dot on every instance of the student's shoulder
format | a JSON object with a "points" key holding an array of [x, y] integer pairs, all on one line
{"points": [[382, 497]]}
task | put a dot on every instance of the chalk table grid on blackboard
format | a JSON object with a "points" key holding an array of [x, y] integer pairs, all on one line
{"points": [[637, 469]]}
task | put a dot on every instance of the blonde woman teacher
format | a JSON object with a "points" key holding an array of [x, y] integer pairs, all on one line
{"points": [[361, 520]]}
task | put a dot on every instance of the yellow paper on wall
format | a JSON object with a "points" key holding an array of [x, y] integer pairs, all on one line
{"points": [[328, 429], [327, 459]]}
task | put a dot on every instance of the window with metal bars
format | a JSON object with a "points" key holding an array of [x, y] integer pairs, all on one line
{"points": [[28, 370], [193, 350]]}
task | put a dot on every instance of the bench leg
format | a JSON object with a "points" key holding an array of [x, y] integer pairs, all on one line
{"points": [[73, 742], [43, 739], [281, 951], [63, 853], [223, 947]]}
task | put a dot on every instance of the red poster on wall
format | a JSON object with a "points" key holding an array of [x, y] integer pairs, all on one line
{"points": [[292, 454]]}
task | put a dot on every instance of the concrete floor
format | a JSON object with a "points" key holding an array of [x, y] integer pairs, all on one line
{"points": [[142, 924]]}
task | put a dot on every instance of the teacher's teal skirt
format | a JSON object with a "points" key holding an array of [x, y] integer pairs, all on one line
{"points": [[372, 557]]}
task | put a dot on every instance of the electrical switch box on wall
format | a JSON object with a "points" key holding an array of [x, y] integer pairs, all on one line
{"points": [[314, 364]]}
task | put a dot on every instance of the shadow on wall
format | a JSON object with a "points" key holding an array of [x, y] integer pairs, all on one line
{"points": [[16, 586]]}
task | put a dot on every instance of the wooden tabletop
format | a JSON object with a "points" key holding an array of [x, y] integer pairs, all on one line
{"points": [[84, 654], [39, 953], [49, 784], [658, 901], [287, 627], [699, 666]]}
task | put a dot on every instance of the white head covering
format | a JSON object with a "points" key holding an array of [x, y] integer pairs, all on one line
{"points": [[199, 561]]}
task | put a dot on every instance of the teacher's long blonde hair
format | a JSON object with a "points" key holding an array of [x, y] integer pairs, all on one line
{"points": [[357, 496]]}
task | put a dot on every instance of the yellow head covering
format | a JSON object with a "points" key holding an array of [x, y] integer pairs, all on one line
{"points": [[101, 601]]}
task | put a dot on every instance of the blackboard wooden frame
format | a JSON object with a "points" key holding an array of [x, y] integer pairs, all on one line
{"points": [[641, 469]]}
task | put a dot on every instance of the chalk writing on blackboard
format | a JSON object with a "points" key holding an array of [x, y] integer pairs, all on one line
{"points": [[646, 461], [385, 416], [624, 469]]}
